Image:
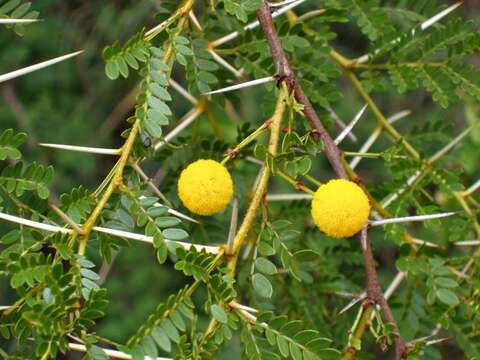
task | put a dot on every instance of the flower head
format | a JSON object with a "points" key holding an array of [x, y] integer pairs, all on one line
{"points": [[205, 187], [340, 208]]}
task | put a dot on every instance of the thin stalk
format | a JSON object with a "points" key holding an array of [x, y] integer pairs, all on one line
{"points": [[369, 155], [242, 144], [312, 180], [294, 182], [66, 218], [265, 174], [359, 328], [116, 181], [150, 183], [117, 176]]}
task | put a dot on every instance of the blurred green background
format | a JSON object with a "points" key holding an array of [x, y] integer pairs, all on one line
{"points": [[75, 103]]}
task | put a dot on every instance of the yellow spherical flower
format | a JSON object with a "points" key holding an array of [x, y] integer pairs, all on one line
{"points": [[205, 187], [340, 208]]}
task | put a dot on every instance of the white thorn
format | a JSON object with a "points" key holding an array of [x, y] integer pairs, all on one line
{"points": [[243, 85], [457, 273], [182, 216], [17, 21], [450, 145], [162, 26], [181, 90], [467, 267], [173, 212], [149, 239], [410, 219], [467, 243], [375, 135], [288, 197], [281, 3], [226, 64], [436, 341], [394, 284], [194, 20], [187, 120], [425, 243], [350, 126], [310, 14], [32, 68], [425, 25], [353, 302], [254, 24], [157, 27], [236, 305], [111, 353], [472, 188], [392, 197], [341, 124], [254, 160], [252, 318], [34, 224], [5, 307], [84, 149], [120, 233], [346, 294]]}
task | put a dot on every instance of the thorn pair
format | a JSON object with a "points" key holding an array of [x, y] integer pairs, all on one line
{"points": [[113, 232]]}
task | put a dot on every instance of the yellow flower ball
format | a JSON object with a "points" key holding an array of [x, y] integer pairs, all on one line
{"points": [[340, 208], [205, 187]]}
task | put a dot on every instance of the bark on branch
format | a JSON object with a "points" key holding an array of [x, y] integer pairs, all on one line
{"points": [[285, 74], [375, 293], [333, 155]]}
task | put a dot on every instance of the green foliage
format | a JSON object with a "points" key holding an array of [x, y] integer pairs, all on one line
{"points": [[241, 9], [289, 339], [152, 109], [429, 57], [157, 223], [9, 143], [193, 263], [118, 59], [78, 204], [19, 178], [370, 18], [17, 9], [162, 328], [200, 72]]}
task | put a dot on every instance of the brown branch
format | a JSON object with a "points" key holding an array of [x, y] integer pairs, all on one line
{"points": [[285, 73], [375, 293], [333, 155]]}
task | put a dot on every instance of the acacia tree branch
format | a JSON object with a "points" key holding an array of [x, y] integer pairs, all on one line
{"points": [[233, 250], [358, 329], [286, 74], [375, 293], [333, 155], [117, 179], [261, 188]]}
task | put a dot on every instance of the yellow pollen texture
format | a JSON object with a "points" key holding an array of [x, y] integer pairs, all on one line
{"points": [[340, 208], [205, 187]]}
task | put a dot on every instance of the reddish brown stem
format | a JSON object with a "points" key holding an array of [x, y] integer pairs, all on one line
{"points": [[375, 293], [285, 74], [333, 155]]}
